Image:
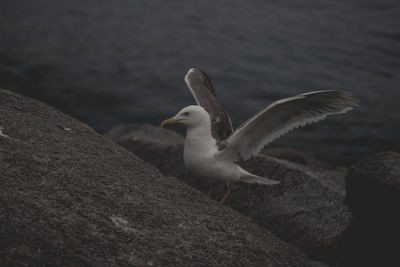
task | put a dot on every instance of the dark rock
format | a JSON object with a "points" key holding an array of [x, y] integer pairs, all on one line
{"points": [[154, 151], [301, 210], [145, 133], [329, 176], [373, 195], [307, 209], [70, 196]]}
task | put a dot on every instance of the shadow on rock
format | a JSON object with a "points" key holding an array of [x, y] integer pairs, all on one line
{"points": [[373, 195]]}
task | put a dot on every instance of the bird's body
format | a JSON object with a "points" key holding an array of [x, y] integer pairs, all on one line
{"points": [[200, 153], [203, 157], [212, 148]]}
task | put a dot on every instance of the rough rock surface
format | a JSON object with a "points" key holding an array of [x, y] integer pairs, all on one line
{"points": [[307, 209], [301, 210], [373, 195], [69, 196], [327, 175], [154, 151]]}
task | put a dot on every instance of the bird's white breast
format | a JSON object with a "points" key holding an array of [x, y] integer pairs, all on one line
{"points": [[201, 160]]}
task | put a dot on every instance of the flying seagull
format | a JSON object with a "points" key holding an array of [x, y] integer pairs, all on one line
{"points": [[212, 148]]}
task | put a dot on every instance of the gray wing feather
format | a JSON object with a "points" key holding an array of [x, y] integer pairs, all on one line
{"points": [[283, 116], [204, 93]]}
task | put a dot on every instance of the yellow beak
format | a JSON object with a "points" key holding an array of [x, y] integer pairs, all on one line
{"points": [[168, 121]]}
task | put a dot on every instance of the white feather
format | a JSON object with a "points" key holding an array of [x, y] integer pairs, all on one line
{"points": [[283, 116]]}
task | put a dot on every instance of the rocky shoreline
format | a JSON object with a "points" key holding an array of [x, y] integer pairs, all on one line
{"points": [[70, 196]]}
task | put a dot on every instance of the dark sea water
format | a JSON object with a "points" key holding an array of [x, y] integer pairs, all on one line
{"points": [[108, 62]]}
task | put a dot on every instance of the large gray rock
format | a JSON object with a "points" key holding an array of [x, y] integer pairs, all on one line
{"points": [[329, 176], [69, 196], [301, 210], [165, 151], [145, 133], [307, 209], [373, 195]]}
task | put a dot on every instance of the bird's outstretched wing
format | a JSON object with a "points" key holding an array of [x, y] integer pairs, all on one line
{"points": [[204, 94], [282, 116]]}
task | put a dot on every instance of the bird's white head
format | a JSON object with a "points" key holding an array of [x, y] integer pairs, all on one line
{"points": [[191, 117]]}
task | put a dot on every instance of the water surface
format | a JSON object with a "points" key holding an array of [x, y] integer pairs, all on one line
{"points": [[124, 61]]}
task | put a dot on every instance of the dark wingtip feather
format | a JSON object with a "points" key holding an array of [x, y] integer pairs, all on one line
{"points": [[340, 97], [350, 99]]}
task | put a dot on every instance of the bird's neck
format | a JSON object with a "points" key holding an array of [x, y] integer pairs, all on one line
{"points": [[199, 137]]}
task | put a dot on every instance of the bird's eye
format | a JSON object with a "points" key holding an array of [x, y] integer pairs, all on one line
{"points": [[185, 113]]}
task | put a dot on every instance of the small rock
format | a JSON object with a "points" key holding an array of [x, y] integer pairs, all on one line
{"points": [[64, 128], [2, 134]]}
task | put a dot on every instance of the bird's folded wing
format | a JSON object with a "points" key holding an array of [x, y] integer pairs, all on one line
{"points": [[282, 116], [204, 94]]}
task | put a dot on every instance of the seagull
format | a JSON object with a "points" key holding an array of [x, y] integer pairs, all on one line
{"points": [[212, 148]]}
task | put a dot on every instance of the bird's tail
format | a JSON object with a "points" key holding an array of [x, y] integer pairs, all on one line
{"points": [[249, 178]]}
